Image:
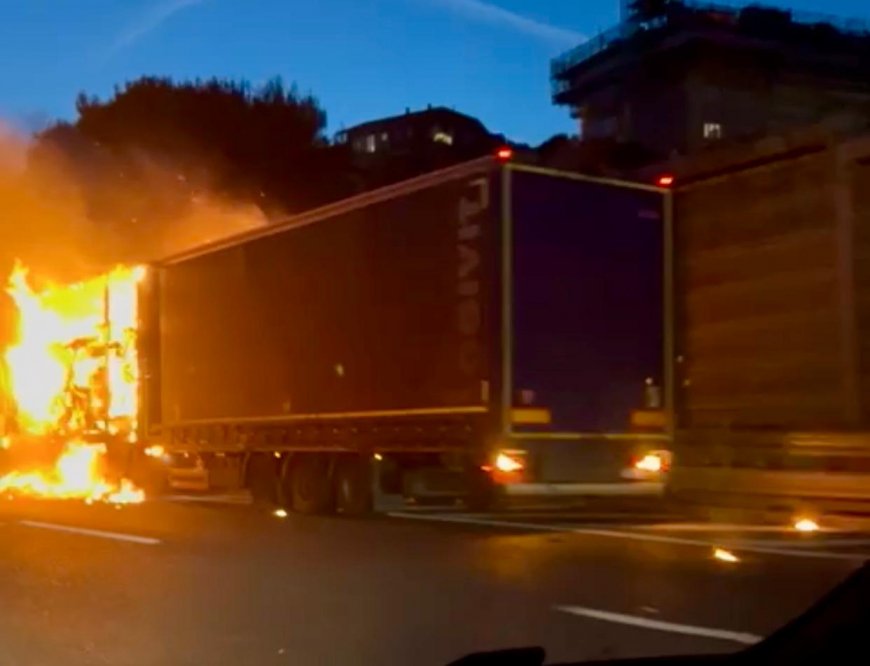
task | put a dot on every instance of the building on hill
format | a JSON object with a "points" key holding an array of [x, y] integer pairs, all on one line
{"points": [[433, 129], [676, 75]]}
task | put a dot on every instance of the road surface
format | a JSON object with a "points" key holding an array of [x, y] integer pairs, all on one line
{"points": [[172, 582]]}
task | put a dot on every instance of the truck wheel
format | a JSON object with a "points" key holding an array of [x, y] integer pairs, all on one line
{"points": [[353, 486], [310, 487], [262, 480]]}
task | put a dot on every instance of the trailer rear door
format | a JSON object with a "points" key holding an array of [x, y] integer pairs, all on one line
{"points": [[586, 275]]}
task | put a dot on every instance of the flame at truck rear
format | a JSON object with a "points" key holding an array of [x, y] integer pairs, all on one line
{"points": [[72, 382]]}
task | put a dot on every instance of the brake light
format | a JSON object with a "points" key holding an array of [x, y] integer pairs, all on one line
{"points": [[504, 153], [806, 525], [155, 451], [507, 463], [665, 180]]}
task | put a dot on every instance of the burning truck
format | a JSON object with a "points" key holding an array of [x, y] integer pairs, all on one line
{"points": [[461, 336], [69, 388]]}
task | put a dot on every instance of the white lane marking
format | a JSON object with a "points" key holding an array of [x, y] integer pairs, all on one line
{"points": [[633, 536], [470, 520], [210, 499], [563, 518], [117, 536], [725, 527], [659, 625]]}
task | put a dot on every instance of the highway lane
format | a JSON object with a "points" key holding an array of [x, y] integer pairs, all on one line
{"points": [[168, 583]]}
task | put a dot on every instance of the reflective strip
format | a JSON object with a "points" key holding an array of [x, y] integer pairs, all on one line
{"points": [[291, 418], [565, 489], [618, 436], [629, 185]]}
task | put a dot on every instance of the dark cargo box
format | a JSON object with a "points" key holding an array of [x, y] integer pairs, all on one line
{"points": [[482, 293]]}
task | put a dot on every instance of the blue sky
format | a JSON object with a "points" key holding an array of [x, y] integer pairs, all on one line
{"points": [[361, 58]]}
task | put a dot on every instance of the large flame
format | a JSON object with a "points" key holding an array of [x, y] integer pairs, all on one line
{"points": [[77, 475], [72, 373]]}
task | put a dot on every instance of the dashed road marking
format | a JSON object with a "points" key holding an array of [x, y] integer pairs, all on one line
{"points": [[102, 534], [545, 515], [634, 536], [726, 527], [210, 499], [660, 625]]}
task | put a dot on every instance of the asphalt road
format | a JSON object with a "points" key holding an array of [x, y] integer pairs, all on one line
{"points": [[178, 583]]}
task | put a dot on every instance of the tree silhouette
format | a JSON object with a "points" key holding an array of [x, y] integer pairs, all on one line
{"points": [[156, 143], [602, 157], [647, 10]]}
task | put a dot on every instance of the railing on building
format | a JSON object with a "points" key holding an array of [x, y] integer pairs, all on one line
{"points": [[681, 13]]}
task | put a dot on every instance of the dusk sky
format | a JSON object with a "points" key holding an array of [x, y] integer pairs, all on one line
{"points": [[362, 58]]}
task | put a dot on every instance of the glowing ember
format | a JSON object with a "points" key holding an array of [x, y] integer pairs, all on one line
{"points": [[725, 555], [126, 493], [806, 525], [73, 373], [155, 451]]}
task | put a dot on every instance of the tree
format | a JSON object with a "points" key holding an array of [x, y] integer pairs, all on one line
{"points": [[156, 143], [647, 10]]}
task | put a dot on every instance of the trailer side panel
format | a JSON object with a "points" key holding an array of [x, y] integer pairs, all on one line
{"points": [[379, 308]]}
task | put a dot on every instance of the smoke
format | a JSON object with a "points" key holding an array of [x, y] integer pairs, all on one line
{"points": [[68, 217], [42, 219]]}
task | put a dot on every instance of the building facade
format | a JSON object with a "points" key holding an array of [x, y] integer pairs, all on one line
{"points": [[436, 129], [392, 149], [676, 76]]}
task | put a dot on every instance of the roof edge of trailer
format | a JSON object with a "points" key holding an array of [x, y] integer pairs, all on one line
{"points": [[380, 194], [586, 178], [336, 208]]}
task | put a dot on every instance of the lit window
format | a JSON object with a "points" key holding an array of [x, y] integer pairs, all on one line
{"points": [[442, 137], [385, 137], [712, 130], [371, 143]]}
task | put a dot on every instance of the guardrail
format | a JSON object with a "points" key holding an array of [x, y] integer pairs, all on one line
{"points": [[828, 471]]}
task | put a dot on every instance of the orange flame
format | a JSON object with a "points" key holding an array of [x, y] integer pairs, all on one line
{"points": [[73, 372], [76, 475]]}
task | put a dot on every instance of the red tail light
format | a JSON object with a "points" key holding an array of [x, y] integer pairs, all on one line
{"points": [[504, 153]]}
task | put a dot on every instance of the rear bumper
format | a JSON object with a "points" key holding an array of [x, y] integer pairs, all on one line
{"points": [[188, 478], [558, 490]]}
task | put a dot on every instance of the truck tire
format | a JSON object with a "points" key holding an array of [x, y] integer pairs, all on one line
{"points": [[353, 485], [310, 488], [262, 480]]}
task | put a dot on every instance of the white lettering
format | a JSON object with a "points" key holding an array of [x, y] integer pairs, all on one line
{"points": [[469, 311]]}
